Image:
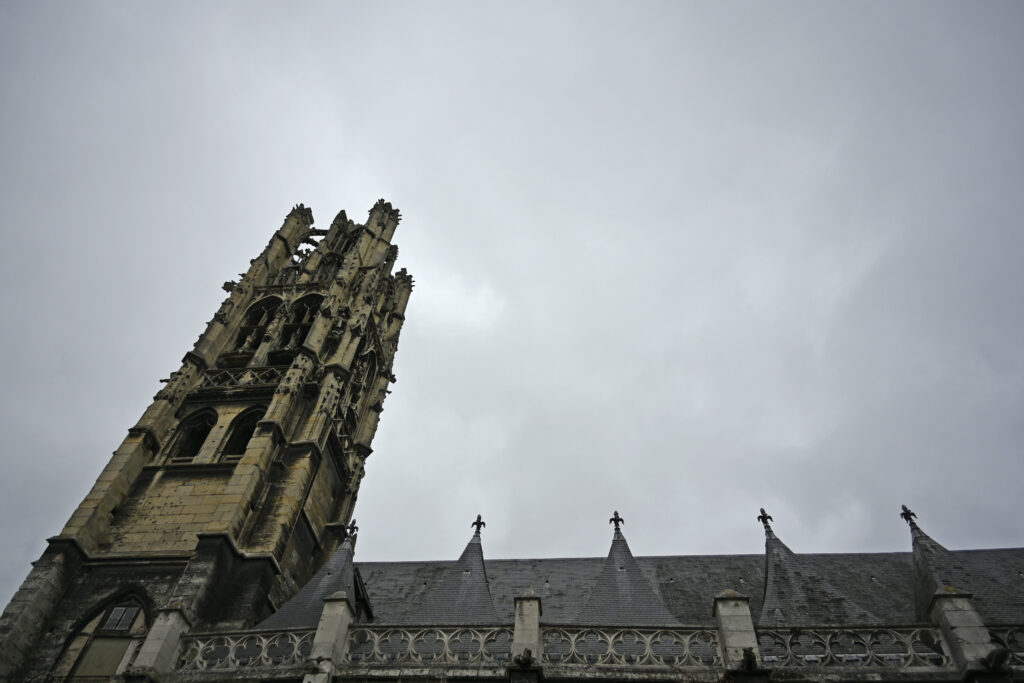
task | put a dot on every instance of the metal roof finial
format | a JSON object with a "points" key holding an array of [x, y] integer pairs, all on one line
{"points": [[478, 523], [764, 518], [352, 529], [616, 520], [908, 515]]}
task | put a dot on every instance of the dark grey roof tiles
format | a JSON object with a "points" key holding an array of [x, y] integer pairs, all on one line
{"points": [[779, 589], [688, 584], [562, 584], [462, 595], [798, 591], [304, 608], [933, 569], [995, 578], [622, 594], [808, 590], [880, 583]]}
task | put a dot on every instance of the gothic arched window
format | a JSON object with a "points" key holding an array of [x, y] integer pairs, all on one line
{"points": [[105, 642], [303, 314], [365, 376], [191, 436], [242, 430], [254, 325]]}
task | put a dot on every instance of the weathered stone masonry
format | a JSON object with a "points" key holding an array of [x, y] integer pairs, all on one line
{"points": [[239, 479]]}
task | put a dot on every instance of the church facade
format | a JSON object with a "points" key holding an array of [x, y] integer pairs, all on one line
{"points": [[218, 543]]}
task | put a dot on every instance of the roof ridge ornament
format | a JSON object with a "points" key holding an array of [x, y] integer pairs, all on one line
{"points": [[478, 523], [616, 520], [765, 518], [349, 531], [908, 515]]}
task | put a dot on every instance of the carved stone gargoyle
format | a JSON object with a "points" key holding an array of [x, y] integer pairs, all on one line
{"points": [[746, 670], [996, 659], [524, 660], [525, 668]]}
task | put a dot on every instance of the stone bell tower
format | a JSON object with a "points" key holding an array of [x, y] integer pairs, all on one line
{"points": [[238, 480]]}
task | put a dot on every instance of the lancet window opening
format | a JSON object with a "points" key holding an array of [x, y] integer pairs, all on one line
{"points": [[303, 313], [192, 434], [106, 640], [242, 429], [255, 323], [368, 379]]}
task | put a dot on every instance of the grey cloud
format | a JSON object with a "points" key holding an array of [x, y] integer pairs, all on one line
{"points": [[679, 260]]}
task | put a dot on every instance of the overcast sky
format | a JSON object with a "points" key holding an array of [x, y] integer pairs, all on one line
{"points": [[680, 260]]}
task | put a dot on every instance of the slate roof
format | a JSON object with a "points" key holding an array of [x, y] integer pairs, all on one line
{"points": [[794, 589], [304, 608], [622, 594], [784, 587], [461, 594], [995, 578], [857, 588]]}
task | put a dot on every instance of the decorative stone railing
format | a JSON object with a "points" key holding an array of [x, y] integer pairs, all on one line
{"points": [[290, 276], [227, 377], [1012, 638], [640, 647], [411, 645], [897, 647], [481, 647], [244, 650]]}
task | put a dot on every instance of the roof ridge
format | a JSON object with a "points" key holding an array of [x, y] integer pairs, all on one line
{"points": [[935, 568]]}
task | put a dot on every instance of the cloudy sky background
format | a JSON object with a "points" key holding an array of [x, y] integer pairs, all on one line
{"points": [[679, 260]]}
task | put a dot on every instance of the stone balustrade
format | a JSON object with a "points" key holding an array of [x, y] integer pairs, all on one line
{"points": [[910, 647], [429, 646], [567, 647], [244, 650]]}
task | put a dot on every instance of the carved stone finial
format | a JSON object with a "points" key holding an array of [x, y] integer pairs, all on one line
{"points": [[478, 523], [616, 520], [765, 518], [907, 515]]}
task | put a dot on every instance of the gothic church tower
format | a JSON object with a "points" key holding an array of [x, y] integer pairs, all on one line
{"points": [[240, 477]]}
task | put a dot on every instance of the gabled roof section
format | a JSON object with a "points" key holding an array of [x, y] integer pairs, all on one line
{"points": [[462, 595], [304, 608], [796, 592], [622, 594]]}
